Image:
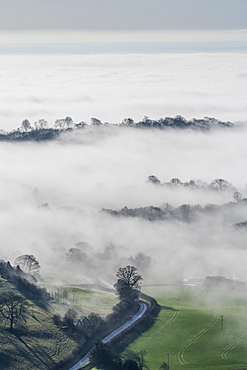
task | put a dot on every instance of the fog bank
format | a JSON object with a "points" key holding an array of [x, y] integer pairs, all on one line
{"points": [[108, 167], [112, 87]]}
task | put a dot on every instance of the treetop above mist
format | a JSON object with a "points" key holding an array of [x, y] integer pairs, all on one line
{"points": [[217, 184], [185, 212], [40, 130]]}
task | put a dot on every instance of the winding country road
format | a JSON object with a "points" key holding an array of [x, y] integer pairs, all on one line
{"points": [[136, 317]]}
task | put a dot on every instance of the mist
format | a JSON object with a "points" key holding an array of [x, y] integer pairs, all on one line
{"points": [[112, 87], [52, 196]]}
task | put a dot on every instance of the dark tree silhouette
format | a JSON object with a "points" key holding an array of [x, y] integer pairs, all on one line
{"points": [[130, 365], [13, 308], [153, 179], [129, 282], [102, 357], [93, 323], [69, 318], [26, 125]]}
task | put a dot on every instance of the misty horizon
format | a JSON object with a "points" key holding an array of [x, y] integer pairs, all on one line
{"points": [[99, 48]]}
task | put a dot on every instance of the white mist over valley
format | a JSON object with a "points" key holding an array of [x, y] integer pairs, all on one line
{"points": [[112, 87], [53, 193]]}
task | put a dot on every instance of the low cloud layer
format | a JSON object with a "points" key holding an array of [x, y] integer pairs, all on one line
{"points": [[112, 87], [107, 167]]}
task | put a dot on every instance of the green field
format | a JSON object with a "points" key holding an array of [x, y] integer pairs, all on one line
{"points": [[189, 329], [41, 343]]}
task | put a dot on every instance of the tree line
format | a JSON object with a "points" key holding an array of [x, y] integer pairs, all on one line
{"points": [[41, 131]]}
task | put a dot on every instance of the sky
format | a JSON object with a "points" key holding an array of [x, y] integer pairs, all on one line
{"points": [[123, 15], [107, 20]]}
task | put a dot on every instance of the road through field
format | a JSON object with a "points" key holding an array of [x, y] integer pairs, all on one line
{"points": [[136, 317]]}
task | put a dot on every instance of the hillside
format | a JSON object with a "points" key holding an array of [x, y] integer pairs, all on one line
{"points": [[191, 329], [39, 343]]}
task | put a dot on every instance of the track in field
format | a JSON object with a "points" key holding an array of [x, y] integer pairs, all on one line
{"points": [[202, 332], [232, 346]]}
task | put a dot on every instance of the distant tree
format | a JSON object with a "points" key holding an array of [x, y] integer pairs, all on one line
{"points": [[69, 122], [166, 207], [59, 123], [146, 121], [26, 125], [57, 319], [95, 121], [81, 124], [40, 124], [13, 308], [129, 282], [221, 185], [75, 255], [84, 246], [141, 260], [176, 181], [93, 323], [190, 184], [64, 123], [180, 121], [237, 196], [128, 122], [153, 179], [28, 264], [69, 318]]}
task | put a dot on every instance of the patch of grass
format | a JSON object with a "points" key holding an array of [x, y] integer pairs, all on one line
{"points": [[83, 300], [189, 329], [36, 346]]}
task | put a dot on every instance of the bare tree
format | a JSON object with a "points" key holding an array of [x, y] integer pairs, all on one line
{"points": [[129, 282], [130, 276], [28, 264], [40, 124], [13, 308], [26, 125]]}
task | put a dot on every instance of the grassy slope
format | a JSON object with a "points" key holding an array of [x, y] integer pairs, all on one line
{"points": [[42, 342], [83, 300], [189, 329]]}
